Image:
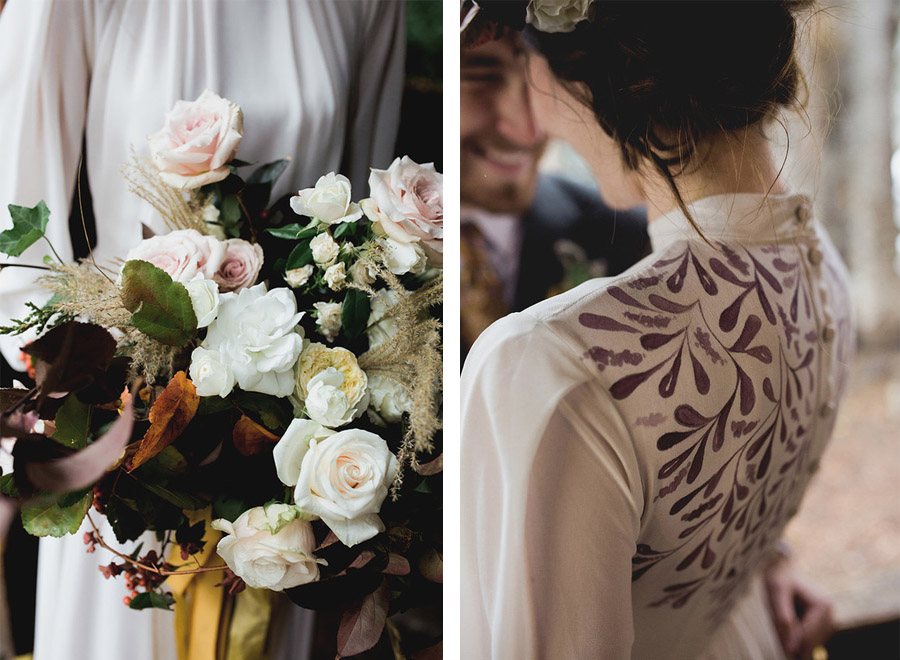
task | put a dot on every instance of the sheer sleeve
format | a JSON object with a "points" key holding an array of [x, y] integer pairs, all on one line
{"points": [[44, 74], [375, 106], [551, 502]]}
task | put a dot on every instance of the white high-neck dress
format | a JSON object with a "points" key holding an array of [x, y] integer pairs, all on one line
{"points": [[318, 80], [632, 449]]}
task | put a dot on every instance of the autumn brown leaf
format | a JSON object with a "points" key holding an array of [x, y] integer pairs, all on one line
{"points": [[251, 438], [169, 416]]}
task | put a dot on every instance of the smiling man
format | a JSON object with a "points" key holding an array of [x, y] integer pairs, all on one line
{"points": [[524, 235]]}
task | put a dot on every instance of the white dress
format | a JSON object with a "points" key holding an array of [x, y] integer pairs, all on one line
{"points": [[320, 81], [633, 449]]}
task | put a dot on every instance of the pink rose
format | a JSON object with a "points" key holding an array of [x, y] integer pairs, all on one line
{"points": [[240, 266], [407, 203], [198, 140], [182, 254]]}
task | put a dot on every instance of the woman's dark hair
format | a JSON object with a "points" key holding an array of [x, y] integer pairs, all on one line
{"points": [[664, 77]]}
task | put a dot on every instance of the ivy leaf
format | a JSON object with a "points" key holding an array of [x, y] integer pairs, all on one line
{"points": [[169, 416], [44, 515], [294, 231], [72, 423], [148, 599], [161, 308], [355, 313], [29, 225], [300, 256]]}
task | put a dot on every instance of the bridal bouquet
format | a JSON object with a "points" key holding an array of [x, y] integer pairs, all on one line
{"points": [[259, 386]]}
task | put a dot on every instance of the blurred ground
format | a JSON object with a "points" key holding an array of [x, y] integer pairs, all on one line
{"points": [[847, 534]]}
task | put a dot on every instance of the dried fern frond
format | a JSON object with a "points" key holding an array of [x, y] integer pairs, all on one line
{"points": [[178, 210], [412, 357]]}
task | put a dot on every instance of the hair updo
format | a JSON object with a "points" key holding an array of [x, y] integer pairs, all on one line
{"points": [[663, 78]]}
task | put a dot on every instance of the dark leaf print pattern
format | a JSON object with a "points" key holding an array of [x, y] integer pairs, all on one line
{"points": [[733, 451]]}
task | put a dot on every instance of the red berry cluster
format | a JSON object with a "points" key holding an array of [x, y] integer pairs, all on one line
{"points": [[137, 578]]}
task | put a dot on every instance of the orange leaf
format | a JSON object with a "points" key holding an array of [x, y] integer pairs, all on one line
{"points": [[250, 438], [169, 416]]}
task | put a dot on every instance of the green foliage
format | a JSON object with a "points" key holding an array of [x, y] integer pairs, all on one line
{"points": [[161, 307], [300, 256], [294, 231], [154, 599], [228, 507], [29, 225], [268, 173], [54, 515], [8, 486], [72, 423], [355, 313], [275, 414]]}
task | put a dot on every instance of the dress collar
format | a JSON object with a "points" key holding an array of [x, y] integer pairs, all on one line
{"points": [[744, 217]]}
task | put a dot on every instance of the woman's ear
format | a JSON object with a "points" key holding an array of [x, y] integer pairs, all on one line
{"points": [[565, 116]]}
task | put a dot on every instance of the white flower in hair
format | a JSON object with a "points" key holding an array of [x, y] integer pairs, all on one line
{"points": [[557, 15]]}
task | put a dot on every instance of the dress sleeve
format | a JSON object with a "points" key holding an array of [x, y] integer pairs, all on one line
{"points": [[551, 502], [375, 106], [44, 74]]}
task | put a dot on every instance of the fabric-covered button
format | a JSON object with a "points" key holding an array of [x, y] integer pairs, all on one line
{"points": [[814, 255], [826, 409], [803, 211], [827, 333]]}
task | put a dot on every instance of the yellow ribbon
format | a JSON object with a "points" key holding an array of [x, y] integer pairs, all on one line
{"points": [[210, 624]]}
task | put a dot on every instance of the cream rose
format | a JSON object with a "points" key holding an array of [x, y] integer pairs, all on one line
{"points": [[402, 258], [343, 480], [292, 446], [388, 400], [182, 254], [557, 15], [328, 318], [336, 276], [197, 142], [210, 374], [381, 325], [329, 202], [297, 277], [330, 386], [269, 547], [240, 265], [324, 249], [362, 273], [257, 336], [204, 295], [407, 203]]}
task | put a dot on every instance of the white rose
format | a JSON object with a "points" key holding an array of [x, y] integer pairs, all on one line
{"points": [[197, 142], [407, 203], [204, 295], [328, 318], [402, 258], [210, 373], [381, 326], [557, 15], [344, 480], [213, 224], [269, 547], [327, 402], [299, 276], [257, 335], [362, 273], [182, 254], [388, 400], [329, 202], [324, 249], [336, 276], [292, 447]]}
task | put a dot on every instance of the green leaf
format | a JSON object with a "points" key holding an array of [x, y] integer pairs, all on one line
{"points": [[231, 210], [29, 225], [68, 499], [343, 229], [274, 414], [8, 486], [43, 515], [179, 499], [237, 162], [269, 172], [161, 307], [162, 467], [210, 405], [300, 256], [148, 599], [294, 232], [355, 314], [72, 423], [228, 507], [126, 523]]}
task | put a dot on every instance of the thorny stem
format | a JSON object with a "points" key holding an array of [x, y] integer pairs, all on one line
{"points": [[146, 567]]}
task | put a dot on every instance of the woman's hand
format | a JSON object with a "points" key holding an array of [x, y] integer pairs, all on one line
{"points": [[802, 615]]}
